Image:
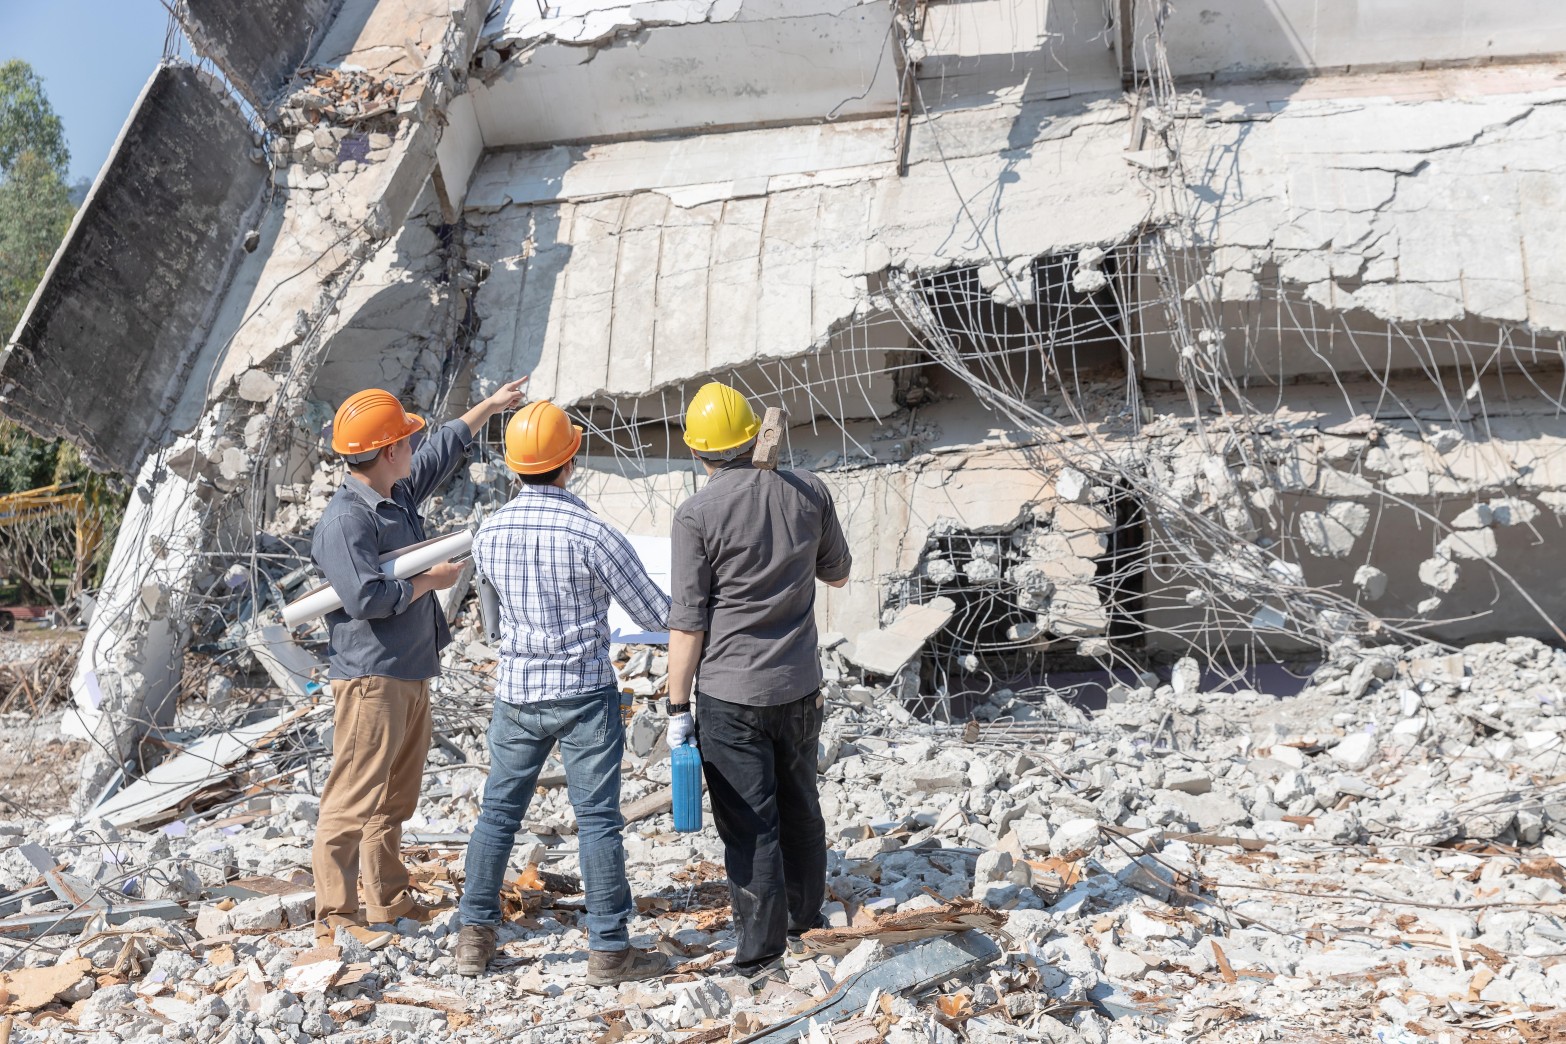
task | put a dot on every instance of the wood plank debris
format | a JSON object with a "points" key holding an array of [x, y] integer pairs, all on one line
{"points": [[958, 915], [28, 989]]}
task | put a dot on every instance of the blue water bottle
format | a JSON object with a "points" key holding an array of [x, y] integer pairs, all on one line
{"points": [[685, 775]]}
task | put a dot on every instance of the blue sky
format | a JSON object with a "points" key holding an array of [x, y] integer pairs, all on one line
{"points": [[94, 56]]}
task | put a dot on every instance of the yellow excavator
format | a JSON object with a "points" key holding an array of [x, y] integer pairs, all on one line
{"points": [[59, 499]]}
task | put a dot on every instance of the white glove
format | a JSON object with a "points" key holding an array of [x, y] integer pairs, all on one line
{"points": [[682, 728]]}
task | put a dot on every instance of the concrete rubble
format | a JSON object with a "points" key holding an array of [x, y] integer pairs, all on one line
{"points": [[1187, 379], [1382, 851]]}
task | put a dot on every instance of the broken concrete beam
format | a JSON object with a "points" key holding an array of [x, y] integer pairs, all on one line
{"points": [[257, 45], [769, 441], [885, 650], [71, 922], [177, 194]]}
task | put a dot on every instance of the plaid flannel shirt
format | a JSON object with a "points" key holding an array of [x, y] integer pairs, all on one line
{"points": [[555, 566]]}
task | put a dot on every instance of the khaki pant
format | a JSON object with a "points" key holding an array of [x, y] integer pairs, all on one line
{"points": [[381, 738]]}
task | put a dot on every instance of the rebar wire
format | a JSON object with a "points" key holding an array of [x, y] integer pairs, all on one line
{"points": [[1015, 335]]}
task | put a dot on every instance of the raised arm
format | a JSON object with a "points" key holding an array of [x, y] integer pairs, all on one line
{"points": [[444, 449]]}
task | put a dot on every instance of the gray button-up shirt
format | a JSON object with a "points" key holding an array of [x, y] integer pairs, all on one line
{"points": [[747, 551], [381, 630]]}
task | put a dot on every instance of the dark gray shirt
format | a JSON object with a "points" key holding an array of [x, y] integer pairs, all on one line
{"points": [[747, 551], [381, 630]]}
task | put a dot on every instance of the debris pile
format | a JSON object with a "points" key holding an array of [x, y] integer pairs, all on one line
{"points": [[1382, 853]]}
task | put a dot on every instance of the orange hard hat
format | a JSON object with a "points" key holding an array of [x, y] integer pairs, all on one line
{"points": [[540, 438], [369, 420]]}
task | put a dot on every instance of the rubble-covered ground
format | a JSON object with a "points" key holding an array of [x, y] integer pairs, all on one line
{"points": [[1377, 858], [38, 773]]}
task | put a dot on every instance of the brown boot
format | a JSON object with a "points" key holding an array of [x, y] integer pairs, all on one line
{"points": [[424, 913], [475, 949], [607, 967], [326, 931]]}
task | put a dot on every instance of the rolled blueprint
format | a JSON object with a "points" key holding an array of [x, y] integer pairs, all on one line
{"points": [[401, 564]]}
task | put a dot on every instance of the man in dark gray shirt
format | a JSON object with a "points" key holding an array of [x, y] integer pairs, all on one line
{"points": [[747, 552]]}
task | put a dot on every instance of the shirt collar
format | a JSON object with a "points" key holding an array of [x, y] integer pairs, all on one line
{"points": [[362, 488], [552, 491]]}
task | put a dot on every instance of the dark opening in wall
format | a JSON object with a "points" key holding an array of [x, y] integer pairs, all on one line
{"points": [[1069, 309], [1050, 592]]}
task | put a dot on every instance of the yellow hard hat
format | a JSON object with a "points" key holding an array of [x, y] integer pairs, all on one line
{"points": [[719, 419], [540, 438]]}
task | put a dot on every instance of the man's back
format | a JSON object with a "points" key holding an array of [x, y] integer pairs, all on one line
{"points": [[555, 566], [747, 551]]}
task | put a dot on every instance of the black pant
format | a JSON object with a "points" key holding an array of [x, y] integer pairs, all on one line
{"points": [[760, 765]]}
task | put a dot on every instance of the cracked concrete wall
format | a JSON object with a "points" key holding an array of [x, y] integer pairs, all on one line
{"points": [[1249, 38], [129, 295], [1439, 203], [659, 68], [619, 269]]}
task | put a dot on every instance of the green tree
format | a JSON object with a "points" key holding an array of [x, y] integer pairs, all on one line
{"points": [[27, 120], [35, 211]]}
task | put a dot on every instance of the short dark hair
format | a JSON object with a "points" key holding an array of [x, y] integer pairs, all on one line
{"points": [[543, 478]]}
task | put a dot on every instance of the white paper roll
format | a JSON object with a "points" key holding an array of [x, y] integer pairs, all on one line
{"points": [[403, 563]]}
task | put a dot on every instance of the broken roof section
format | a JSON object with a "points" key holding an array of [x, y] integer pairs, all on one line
{"points": [[257, 44], [165, 217], [597, 69], [647, 263]]}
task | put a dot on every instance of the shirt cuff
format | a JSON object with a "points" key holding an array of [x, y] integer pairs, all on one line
{"points": [[404, 596], [688, 618]]}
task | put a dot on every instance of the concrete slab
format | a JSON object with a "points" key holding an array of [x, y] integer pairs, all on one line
{"points": [[131, 290], [884, 651]]}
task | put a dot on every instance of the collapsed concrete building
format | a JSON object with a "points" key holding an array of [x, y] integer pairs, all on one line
{"points": [[1120, 330]]}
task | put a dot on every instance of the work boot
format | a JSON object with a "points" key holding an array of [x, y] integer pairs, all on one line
{"points": [[475, 949], [760, 974], [819, 922], [607, 967], [372, 938], [424, 913]]}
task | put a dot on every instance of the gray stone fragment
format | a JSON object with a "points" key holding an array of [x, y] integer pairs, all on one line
{"points": [[1372, 582]]}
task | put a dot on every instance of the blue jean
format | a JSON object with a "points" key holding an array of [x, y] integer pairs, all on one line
{"points": [[592, 741]]}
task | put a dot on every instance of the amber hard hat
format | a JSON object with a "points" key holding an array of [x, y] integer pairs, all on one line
{"points": [[369, 420], [540, 438]]}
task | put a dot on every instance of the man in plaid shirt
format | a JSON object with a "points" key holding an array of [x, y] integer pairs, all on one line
{"points": [[555, 566]]}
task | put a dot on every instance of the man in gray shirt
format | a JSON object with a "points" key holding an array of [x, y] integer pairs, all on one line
{"points": [[747, 552], [383, 646]]}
